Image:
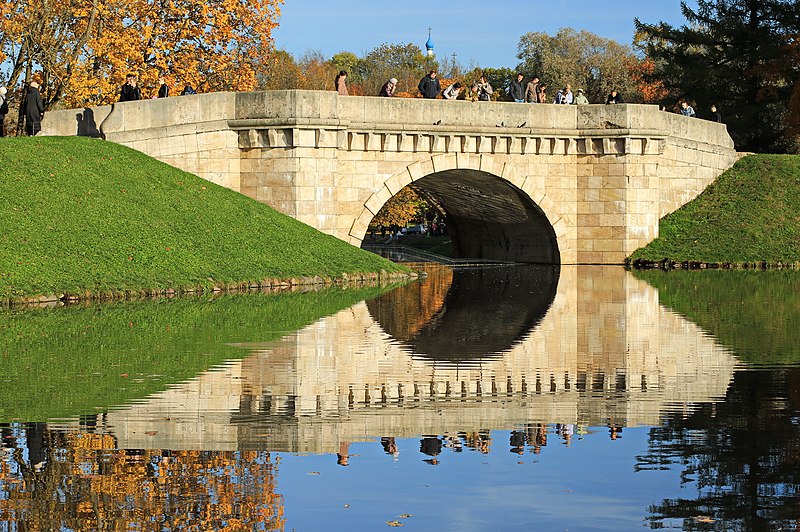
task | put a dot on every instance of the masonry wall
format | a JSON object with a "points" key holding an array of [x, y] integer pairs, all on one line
{"points": [[603, 175]]}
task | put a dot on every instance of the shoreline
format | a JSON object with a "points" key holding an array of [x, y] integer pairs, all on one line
{"points": [[274, 285], [669, 264]]}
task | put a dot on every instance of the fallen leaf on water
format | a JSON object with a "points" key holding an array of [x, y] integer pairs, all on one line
{"points": [[394, 523], [703, 519], [347, 506], [405, 516], [313, 473]]}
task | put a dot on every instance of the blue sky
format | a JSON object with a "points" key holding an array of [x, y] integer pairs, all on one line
{"points": [[481, 33]]}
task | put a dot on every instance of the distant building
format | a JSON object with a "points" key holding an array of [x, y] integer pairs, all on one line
{"points": [[429, 44]]}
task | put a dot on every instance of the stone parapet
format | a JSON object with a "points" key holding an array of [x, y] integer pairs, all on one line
{"points": [[585, 184]]}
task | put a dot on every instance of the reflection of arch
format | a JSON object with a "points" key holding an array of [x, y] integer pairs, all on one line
{"points": [[494, 212], [483, 312]]}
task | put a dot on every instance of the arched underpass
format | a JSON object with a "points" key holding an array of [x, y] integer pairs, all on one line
{"points": [[488, 218]]}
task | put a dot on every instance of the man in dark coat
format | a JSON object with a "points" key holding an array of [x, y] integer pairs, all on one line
{"points": [[34, 110], [429, 86], [516, 89], [130, 91]]}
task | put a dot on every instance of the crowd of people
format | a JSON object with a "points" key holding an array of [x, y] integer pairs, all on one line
{"points": [[532, 91]]}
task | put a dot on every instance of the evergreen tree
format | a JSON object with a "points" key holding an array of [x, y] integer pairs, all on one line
{"points": [[728, 54]]}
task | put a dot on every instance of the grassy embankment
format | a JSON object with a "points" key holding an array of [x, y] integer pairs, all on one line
{"points": [[89, 218], [749, 216]]}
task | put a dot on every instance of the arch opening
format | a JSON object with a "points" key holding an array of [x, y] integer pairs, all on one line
{"points": [[489, 218]]}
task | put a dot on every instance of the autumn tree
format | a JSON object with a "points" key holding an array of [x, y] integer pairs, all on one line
{"points": [[736, 54], [403, 207], [84, 48], [405, 62], [583, 59]]}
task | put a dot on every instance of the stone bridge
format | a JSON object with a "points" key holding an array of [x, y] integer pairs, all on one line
{"points": [[530, 183]]}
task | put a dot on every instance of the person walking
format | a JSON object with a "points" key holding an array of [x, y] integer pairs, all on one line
{"points": [[429, 86], [341, 83], [516, 89], [452, 92], [580, 98], [163, 88], [686, 109], [3, 110], [388, 88], [532, 90], [34, 110], [130, 91]]}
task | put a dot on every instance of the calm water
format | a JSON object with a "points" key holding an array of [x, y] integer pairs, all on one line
{"points": [[493, 398]]}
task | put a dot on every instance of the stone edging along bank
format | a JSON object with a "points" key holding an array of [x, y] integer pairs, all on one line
{"points": [[291, 284], [669, 264]]}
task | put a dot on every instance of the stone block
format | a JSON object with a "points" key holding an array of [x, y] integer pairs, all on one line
{"points": [[396, 183]]}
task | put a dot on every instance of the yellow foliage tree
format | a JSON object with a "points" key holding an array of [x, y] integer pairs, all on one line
{"points": [[84, 48], [401, 208]]}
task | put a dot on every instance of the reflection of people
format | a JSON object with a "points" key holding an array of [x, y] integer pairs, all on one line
{"points": [[390, 446], [614, 431], [343, 456], [432, 446], [517, 441]]}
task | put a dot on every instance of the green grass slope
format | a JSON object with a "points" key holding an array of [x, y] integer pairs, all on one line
{"points": [[80, 214], [749, 214]]}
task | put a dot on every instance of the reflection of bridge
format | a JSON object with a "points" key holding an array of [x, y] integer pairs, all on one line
{"points": [[605, 352], [531, 183]]}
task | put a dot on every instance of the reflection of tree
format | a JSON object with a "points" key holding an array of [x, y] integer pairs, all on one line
{"points": [[406, 310], [86, 484], [743, 454]]}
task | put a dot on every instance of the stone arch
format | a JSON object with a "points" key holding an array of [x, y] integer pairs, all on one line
{"points": [[540, 209]]}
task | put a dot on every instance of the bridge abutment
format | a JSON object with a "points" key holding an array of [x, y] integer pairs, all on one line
{"points": [[535, 183]]}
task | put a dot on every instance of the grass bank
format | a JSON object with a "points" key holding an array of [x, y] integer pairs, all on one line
{"points": [[750, 214], [86, 217]]}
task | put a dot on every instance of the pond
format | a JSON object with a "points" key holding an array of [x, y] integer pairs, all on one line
{"points": [[492, 397]]}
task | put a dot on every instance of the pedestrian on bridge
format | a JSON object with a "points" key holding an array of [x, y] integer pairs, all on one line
{"points": [[516, 89], [429, 86], [388, 88], [34, 110], [130, 91], [3, 110], [341, 83]]}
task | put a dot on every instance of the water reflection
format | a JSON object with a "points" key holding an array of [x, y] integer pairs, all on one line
{"points": [[605, 353], [597, 399], [467, 314]]}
